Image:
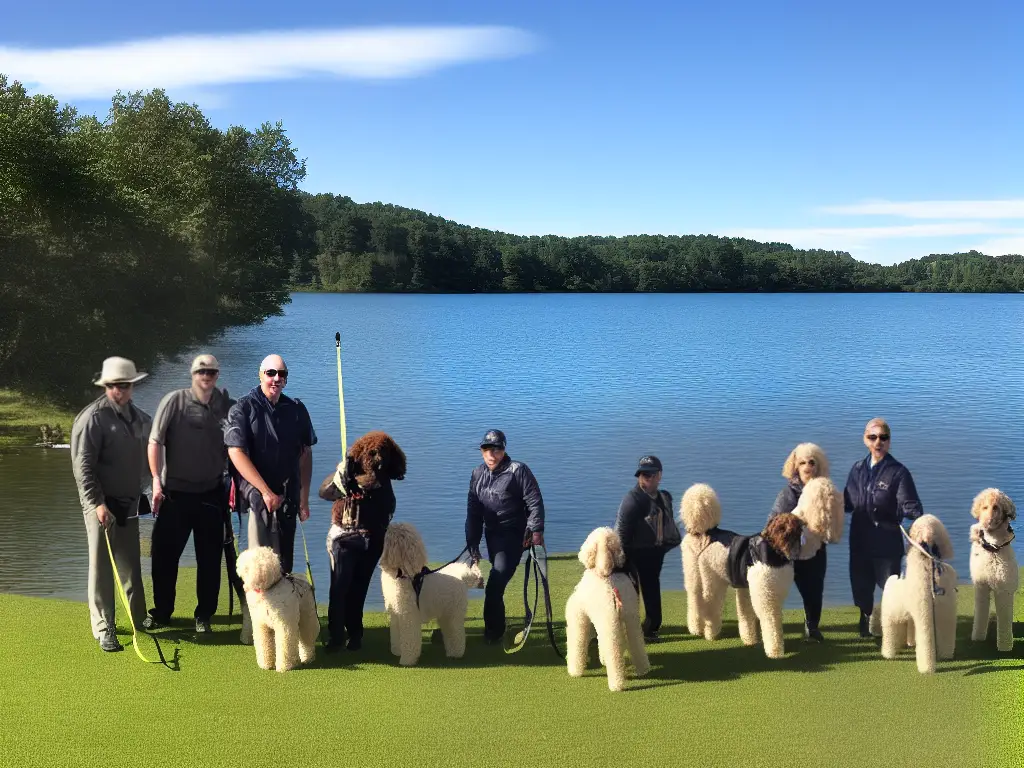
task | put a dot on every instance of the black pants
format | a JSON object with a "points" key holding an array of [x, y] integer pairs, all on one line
{"points": [[504, 550], [181, 514], [350, 580], [868, 572], [809, 576], [646, 564]]}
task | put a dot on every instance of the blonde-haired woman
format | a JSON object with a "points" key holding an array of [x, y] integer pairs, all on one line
{"points": [[805, 462]]}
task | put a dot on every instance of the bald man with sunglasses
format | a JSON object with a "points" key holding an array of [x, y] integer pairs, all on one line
{"points": [[879, 494]]}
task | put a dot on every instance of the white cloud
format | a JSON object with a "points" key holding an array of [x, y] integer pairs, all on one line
{"points": [[934, 209], [845, 238], [190, 61], [1000, 246]]}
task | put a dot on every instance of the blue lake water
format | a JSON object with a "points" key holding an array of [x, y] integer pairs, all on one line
{"points": [[721, 387]]}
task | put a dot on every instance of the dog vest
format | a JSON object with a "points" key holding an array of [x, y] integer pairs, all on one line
{"points": [[744, 551]]}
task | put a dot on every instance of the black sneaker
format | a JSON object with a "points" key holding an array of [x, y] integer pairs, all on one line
{"points": [[651, 637], [493, 639], [109, 641], [863, 626], [333, 645], [814, 635], [150, 623], [203, 627], [354, 644]]}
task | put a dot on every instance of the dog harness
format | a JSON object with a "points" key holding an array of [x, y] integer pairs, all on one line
{"points": [[993, 548], [417, 580]]}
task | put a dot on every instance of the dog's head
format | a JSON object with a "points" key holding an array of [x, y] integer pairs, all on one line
{"points": [[404, 550], [699, 509], [259, 568], [931, 534], [783, 534], [993, 508], [805, 455], [602, 551], [471, 575], [821, 508], [372, 457]]}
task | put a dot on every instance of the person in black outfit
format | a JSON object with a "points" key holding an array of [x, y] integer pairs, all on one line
{"points": [[805, 462], [506, 508], [645, 528], [880, 494]]}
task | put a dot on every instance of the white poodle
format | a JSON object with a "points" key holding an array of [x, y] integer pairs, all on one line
{"points": [[993, 565], [758, 567], [605, 599], [414, 595], [284, 619], [919, 609]]}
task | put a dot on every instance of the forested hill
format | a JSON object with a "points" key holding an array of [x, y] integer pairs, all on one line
{"points": [[383, 247]]}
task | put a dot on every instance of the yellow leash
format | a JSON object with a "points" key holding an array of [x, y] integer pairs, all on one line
{"points": [[341, 397], [127, 608]]}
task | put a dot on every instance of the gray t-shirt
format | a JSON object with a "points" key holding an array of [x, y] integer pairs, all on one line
{"points": [[193, 438]]}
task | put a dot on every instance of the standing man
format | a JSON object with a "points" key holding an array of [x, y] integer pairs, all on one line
{"points": [[880, 494], [645, 527], [186, 457], [269, 439], [108, 455], [506, 507]]}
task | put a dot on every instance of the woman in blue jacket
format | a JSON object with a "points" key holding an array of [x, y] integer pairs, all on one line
{"points": [[880, 494]]}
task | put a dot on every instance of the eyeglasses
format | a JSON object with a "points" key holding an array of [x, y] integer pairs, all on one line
{"points": [[808, 462], [119, 385], [207, 372], [272, 372], [872, 438]]}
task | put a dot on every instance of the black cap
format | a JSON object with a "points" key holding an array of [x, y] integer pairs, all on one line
{"points": [[495, 438], [648, 463]]}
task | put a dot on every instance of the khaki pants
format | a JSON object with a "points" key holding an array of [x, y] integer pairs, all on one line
{"points": [[102, 592]]}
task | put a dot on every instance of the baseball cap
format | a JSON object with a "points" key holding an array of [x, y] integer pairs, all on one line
{"points": [[648, 463], [494, 438], [205, 363]]}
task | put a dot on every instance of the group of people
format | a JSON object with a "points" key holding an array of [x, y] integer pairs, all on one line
{"points": [[201, 445]]}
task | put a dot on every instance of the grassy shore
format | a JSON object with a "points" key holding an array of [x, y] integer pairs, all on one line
{"points": [[707, 704], [21, 416]]}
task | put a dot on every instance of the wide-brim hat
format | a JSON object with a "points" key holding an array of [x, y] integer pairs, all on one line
{"points": [[119, 370]]}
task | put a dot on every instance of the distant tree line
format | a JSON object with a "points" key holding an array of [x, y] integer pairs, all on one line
{"points": [[379, 247]]}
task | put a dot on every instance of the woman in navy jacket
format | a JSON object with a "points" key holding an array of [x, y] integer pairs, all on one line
{"points": [[880, 494]]}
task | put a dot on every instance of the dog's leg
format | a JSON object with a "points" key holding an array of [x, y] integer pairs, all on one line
{"points": [[263, 641], [945, 628], [924, 631], [1004, 620], [911, 633], [395, 633], [694, 588], [635, 639], [577, 637], [894, 635], [453, 630], [246, 636], [286, 640], [982, 614], [746, 617], [411, 644], [309, 629], [610, 637], [768, 589], [875, 622]]}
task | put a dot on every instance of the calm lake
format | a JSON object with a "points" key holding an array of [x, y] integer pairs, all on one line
{"points": [[720, 387]]}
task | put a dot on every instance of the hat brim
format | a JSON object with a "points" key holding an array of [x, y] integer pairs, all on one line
{"points": [[103, 382], [491, 445], [646, 471]]}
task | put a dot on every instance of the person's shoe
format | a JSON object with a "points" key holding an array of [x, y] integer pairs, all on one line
{"points": [[863, 626], [651, 637], [151, 622], [109, 641], [492, 639], [334, 644], [814, 635], [354, 644], [202, 627]]}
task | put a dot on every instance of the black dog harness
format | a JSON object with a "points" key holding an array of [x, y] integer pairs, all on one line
{"points": [[993, 548], [417, 580]]}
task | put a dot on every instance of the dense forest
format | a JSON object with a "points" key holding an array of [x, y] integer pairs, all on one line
{"points": [[149, 230]]}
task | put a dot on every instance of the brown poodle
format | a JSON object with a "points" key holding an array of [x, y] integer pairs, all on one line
{"points": [[372, 458]]}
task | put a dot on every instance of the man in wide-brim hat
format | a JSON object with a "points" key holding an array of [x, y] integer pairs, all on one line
{"points": [[108, 454]]}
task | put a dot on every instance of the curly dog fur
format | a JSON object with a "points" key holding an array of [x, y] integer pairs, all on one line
{"points": [[821, 508], [769, 585], [443, 595], [911, 613], [805, 451], [371, 457], [607, 602], [994, 574], [284, 620]]}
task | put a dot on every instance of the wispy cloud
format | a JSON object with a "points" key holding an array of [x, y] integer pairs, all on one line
{"points": [[832, 237], [201, 61], [934, 209]]}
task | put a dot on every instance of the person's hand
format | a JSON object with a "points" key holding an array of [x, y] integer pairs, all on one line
{"points": [[158, 496], [537, 540], [104, 516], [304, 511], [271, 500]]}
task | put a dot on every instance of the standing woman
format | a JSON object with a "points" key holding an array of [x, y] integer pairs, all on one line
{"points": [[880, 494], [804, 463]]}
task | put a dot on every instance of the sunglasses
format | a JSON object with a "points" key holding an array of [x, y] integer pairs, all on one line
{"points": [[272, 372], [808, 462], [119, 385], [207, 372], [883, 438]]}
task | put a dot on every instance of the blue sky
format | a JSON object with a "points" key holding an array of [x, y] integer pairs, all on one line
{"points": [[887, 129]]}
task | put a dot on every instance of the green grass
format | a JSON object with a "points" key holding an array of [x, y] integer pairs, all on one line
{"points": [[21, 416], [708, 704]]}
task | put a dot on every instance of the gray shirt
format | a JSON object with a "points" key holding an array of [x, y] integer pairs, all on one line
{"points": [[192, 434], [108, 452]]}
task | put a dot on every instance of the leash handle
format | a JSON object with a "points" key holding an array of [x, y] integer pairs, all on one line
{"points": [[341, 396]]}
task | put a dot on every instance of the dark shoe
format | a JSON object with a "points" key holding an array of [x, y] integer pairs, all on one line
{"points": [[493, 639], [202, 627], [333, 645], [109, 641], [815, 636], [151, 622], [863, 626], [354, 644], [651, 637]]}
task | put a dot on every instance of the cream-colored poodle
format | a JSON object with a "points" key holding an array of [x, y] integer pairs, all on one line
{"points": [[282, 610], [414, 595], [993, 565], [919, 609], [605, 600], [759, 567]]}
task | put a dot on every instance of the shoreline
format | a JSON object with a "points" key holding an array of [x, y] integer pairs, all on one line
{"points": [[21, 417]]}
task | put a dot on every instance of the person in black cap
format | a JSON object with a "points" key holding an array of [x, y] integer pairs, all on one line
{"points": [[647, 531], [504, 506]]}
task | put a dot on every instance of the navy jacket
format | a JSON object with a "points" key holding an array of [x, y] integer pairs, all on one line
{"points": [[507, 498], [272, 435], [879, 500], [631, 523]]}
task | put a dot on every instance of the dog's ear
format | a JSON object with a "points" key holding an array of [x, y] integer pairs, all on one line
{"points": [[976, 505], [605, 560], [588, 552], [396, 463], [1008, 507]]}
